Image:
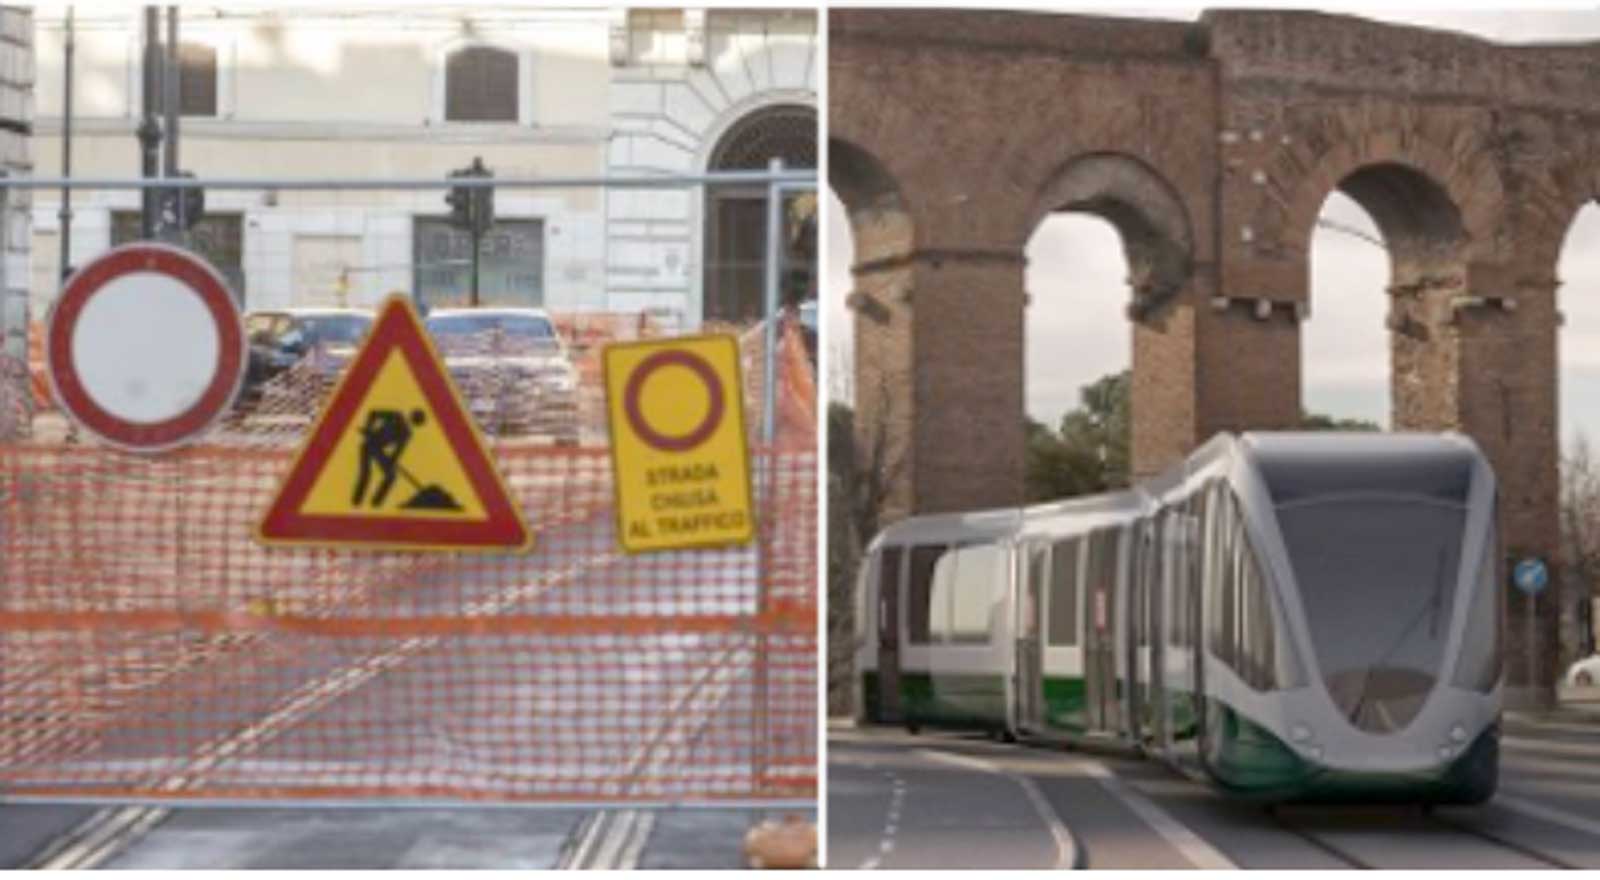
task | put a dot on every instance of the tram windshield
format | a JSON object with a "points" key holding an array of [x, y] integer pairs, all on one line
{"points": [[1375, 543]]}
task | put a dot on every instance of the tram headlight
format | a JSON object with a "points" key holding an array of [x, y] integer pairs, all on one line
{"points": [[1316, 753], [1458, 733], [1445, 751], [1300, 733]]}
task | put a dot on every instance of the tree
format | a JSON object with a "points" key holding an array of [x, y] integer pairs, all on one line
{"points": [[1089, 452], [1324, 422], [861, 474], [1580, 536]]}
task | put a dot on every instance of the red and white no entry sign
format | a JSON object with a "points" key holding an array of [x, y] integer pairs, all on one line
{"points": [[145, 347]]}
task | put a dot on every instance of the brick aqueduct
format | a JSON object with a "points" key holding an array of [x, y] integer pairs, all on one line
{"points": [[1211, 147]]}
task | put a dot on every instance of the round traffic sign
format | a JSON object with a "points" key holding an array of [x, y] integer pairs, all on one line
{"points": [[1531, 576], [634, 407], [145, 347]]}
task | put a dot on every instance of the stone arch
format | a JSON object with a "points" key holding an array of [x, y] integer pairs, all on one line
{"points": [[1147, 211], [1551, 207], [879, 218], [1440, 218], [1461, 198]]}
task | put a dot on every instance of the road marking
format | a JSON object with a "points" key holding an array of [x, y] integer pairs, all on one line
{"points": [[1066, 846], [1548, 814], [615, 839], [1189, 844], [98, 838], [891, 825]]}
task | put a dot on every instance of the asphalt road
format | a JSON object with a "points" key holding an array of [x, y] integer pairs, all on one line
{"points": [[945, 800]]}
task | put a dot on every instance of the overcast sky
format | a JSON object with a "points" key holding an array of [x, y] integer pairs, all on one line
{"points": [[1076, 280]]}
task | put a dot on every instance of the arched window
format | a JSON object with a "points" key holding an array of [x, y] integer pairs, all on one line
{"points": [[480, 85], [736, 218]]}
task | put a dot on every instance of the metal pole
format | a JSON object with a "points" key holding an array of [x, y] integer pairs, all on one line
{"points": [[169, 78], [774, 273], [790, 180], [477, 248], [65, 214], [13, 339], [149, 128], [768, 481], [1535, 693]]}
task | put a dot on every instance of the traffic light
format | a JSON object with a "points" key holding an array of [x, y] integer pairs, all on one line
{"points": [[186, 204], [471, 207], [459, 198]]}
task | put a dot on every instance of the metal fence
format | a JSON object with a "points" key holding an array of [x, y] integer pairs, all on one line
{"points": [[151, 649]]}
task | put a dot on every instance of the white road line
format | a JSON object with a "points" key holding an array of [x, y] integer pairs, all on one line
{"points": [[891, 825], [615, 839], [1066, 846], [1548, 814], [1189, 844]]}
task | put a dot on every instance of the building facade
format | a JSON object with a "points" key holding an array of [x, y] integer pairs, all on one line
{"points": [[16, 124], [372, 93]]}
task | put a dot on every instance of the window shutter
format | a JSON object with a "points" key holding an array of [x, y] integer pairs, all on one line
{"points": [[481, 85], [197, 80]]}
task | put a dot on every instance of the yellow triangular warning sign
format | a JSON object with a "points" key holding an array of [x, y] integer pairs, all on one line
{"points": [[394, 460]]}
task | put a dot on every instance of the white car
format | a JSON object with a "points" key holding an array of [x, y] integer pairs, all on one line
{"points": [[1584, 673]]}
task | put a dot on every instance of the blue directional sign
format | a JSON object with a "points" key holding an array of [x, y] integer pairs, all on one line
{"points": [[1531, 576]]}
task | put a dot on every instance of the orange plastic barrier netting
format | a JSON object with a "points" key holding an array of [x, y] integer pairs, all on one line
{"points": [[150, 648]]}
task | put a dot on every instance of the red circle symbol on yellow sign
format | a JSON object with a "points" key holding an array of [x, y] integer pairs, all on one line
{"points": [[715, 401]]}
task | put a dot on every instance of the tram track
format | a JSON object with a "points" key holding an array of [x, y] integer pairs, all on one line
{"points": [[1376, 843]]}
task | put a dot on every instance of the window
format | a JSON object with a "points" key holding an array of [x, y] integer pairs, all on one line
{"points": [[1063, 601], [1478, 667], [1242, 617], [510, 265], [1033, 596], [888, 583], [217, 237], [1100, 579], [480, 85], [972, 589], [197, 81], [919, 593], [736, 217]]}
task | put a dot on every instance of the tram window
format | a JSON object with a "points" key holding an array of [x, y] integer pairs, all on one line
{"points": [[1479, 665], [1102, 577], [972, 592], [1063, 601], [1038, 566], [944, 577], [889, 562], [919, 593], [1257, 649]]}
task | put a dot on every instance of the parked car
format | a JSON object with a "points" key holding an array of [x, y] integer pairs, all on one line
{"points": [[280, 339], [1585, 672], [513, 368]]}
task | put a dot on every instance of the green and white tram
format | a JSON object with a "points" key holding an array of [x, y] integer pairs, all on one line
{"points": [[1291, 616]]}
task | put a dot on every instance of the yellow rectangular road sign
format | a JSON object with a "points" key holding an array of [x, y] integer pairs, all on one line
{"points": [[679, 456]]}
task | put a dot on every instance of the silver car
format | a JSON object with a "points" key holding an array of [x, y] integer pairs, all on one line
{"points": [[513, 369]]}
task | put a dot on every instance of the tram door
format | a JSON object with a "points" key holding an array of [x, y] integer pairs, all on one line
{"points": [[1158, 573], [1144, 599], [1100, 631], [1030, 649], [889, 565]]}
